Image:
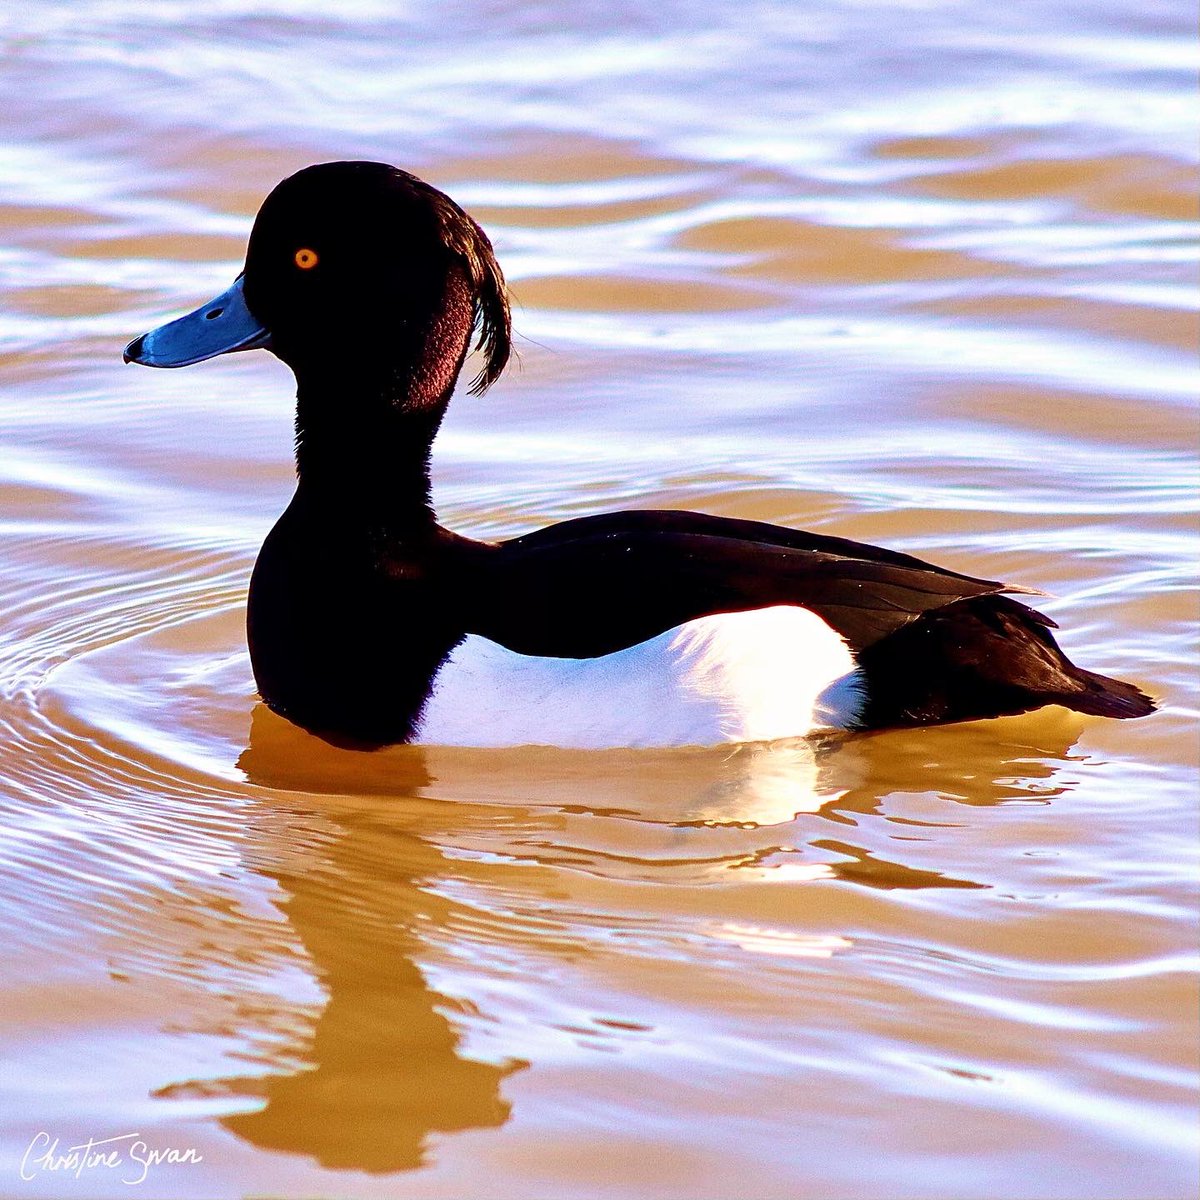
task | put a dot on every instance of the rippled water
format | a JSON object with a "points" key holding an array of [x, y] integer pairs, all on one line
{"points": [[916, 273]]}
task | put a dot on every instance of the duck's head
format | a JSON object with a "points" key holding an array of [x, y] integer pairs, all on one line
{"points": [[354, 268]]}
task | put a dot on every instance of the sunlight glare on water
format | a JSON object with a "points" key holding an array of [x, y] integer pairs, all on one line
{"points": [[920, 274]]}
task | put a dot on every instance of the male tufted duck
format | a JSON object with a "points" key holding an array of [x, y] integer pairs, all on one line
{"points": [[369, 623]]}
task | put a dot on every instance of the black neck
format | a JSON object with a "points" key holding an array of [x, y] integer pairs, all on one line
{"points": [[365, 429], [364, 452]]}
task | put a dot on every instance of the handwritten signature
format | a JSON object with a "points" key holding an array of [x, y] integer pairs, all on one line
{"points": [[126, 1153]]}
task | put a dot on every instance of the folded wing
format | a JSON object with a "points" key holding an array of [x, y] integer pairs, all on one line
{"points": [[598, 584]]}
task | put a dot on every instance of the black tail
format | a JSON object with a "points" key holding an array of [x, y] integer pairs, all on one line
{"points": [[1105, 697], [986, 656]]}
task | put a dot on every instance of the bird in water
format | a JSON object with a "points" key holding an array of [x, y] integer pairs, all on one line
{"points": [[369, 623]]}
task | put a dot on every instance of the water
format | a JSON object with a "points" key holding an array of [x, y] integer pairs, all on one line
{"points": [[916, 273]]}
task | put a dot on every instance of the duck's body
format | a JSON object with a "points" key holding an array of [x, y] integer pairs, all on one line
{"points": [[369, 622], [635, 629]]}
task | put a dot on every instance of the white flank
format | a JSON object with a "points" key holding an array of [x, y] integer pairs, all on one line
{"points": [[734, 677]]}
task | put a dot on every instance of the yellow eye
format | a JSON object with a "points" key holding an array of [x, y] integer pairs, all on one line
{"points": [[305, 259]]}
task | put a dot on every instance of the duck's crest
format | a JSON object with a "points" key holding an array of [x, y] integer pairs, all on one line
{"points": [[464, 238]]}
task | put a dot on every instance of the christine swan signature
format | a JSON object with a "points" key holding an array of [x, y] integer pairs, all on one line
{"points": [[126, 1154]]}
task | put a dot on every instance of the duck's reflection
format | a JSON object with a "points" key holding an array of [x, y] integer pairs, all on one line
{"points": [[384, 1068], [979, 763], [1017, 759]]}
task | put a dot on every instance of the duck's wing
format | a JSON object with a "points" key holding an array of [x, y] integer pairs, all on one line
{"points": [[598, 584]]}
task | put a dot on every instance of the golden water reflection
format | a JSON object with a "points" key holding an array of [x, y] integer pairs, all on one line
{"points": [[384, 1069]]}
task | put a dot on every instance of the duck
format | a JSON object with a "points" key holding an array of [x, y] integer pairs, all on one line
{"points": [[371, 624]]}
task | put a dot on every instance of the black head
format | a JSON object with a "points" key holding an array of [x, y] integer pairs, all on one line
{"points": [[355, 267], [361, 258]]}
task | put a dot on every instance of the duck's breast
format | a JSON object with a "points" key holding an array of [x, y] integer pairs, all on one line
{"points": [[733, 677]]}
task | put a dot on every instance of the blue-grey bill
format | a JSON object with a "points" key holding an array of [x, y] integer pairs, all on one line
{"points": [[221, 326]]}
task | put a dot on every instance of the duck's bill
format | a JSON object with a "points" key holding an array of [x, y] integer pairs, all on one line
{"points": [[221, 326]]}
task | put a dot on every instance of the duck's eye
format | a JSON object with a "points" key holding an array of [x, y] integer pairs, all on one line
{"points": [[305, 258]]}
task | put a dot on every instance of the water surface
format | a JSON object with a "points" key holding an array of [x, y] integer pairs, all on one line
{"points": [[922, 274]]}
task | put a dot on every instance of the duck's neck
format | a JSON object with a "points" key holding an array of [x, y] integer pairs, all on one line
{"points": [[365, 428], [362, 452]]}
